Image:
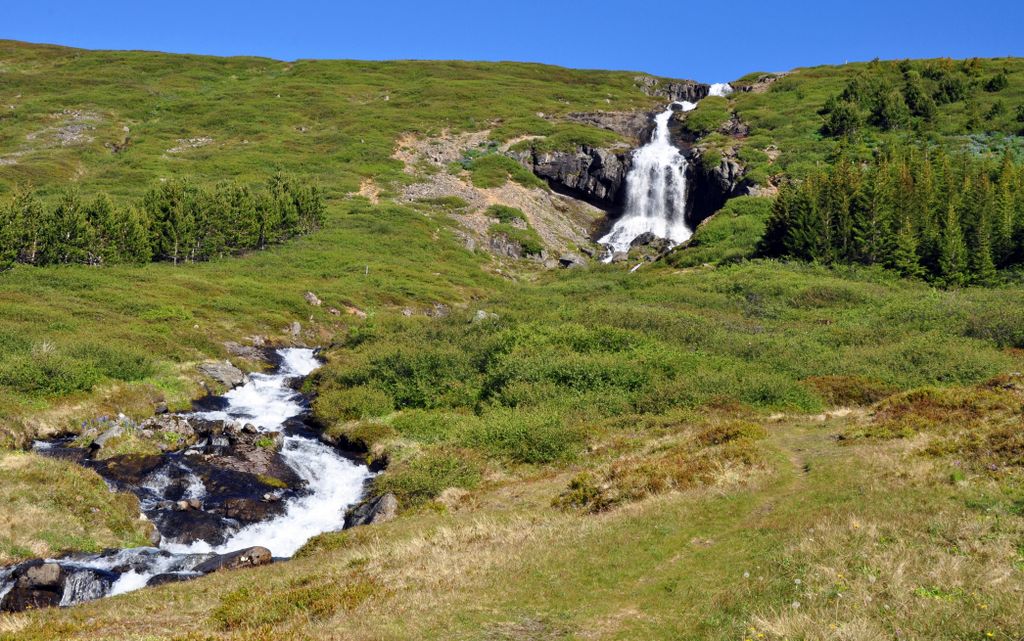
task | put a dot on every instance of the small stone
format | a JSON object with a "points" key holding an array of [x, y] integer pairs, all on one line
{"points": [[334, 311], [312, 299], [295, 328]]}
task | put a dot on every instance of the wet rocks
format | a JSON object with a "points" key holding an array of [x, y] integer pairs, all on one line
{"points": [[247, 558], [190, 526], [379, 510], [223, 372], [37, 584]]}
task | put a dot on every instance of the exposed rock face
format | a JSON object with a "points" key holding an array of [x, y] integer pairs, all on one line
{"points": [[379, 510], [245, 351], [223, 372], [502, 245], [673, 90], [635, 125], [596, 175], [711, 187]]}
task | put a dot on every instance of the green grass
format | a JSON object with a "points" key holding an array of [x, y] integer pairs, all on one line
{"points": [[528, 239]]}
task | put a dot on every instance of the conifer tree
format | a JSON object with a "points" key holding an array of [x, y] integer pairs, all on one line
{"points": [[132, 237], [9, 247], [953, 257], [983, 269], [100, 215], [65, 233], [905, 257]]}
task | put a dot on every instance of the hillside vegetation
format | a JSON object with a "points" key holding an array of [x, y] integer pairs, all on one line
{"points": [[717, 445]]}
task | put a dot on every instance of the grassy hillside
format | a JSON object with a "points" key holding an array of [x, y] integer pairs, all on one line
{"points": [[120, 121], [784, 113], [714, 446]]}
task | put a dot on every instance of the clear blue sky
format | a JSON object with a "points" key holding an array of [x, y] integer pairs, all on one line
{"points": [[706, 40]]}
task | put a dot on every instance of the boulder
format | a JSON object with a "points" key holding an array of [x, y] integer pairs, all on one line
{"points": [[105, 437], [191, 526], [249, 557], [571, 260], [247, 510], [312, 299], [379, 510], [223, 372], [295, 329], [645, 238], [37, 584], [482, 315], [245, 351]]}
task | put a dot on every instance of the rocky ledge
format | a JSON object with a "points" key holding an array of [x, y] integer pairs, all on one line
{"points": [[593, 174]]}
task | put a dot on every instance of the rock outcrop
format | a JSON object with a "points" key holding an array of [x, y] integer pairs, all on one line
{"points": [[711, 186], [223, 372], [593, 174], [673, 90], [634, 125]]}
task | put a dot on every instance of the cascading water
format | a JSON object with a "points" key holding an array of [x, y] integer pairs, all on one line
{"points": [[656, 187], [331, 483]]}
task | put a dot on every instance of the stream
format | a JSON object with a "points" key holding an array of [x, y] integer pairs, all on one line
{"points": [[213, 502]]}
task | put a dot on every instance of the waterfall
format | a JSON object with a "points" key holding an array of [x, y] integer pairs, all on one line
{"points": [[656, 187]]}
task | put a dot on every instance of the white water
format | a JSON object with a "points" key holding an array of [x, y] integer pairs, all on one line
{"points": [[333, 483], [656, 187]]}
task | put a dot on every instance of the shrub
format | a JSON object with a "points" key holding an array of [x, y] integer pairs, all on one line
{"points": [[428, 426], [342, 404], [528, 239], [506, 214], [721, 433], [494, 170], [48, 373], [849, 390], [524, 436], [426, 474], [120, 363], [710, 114]]}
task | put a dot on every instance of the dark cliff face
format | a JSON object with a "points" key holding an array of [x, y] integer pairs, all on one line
{"points": [[673, 90], [595, 175], [709, 187]]}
